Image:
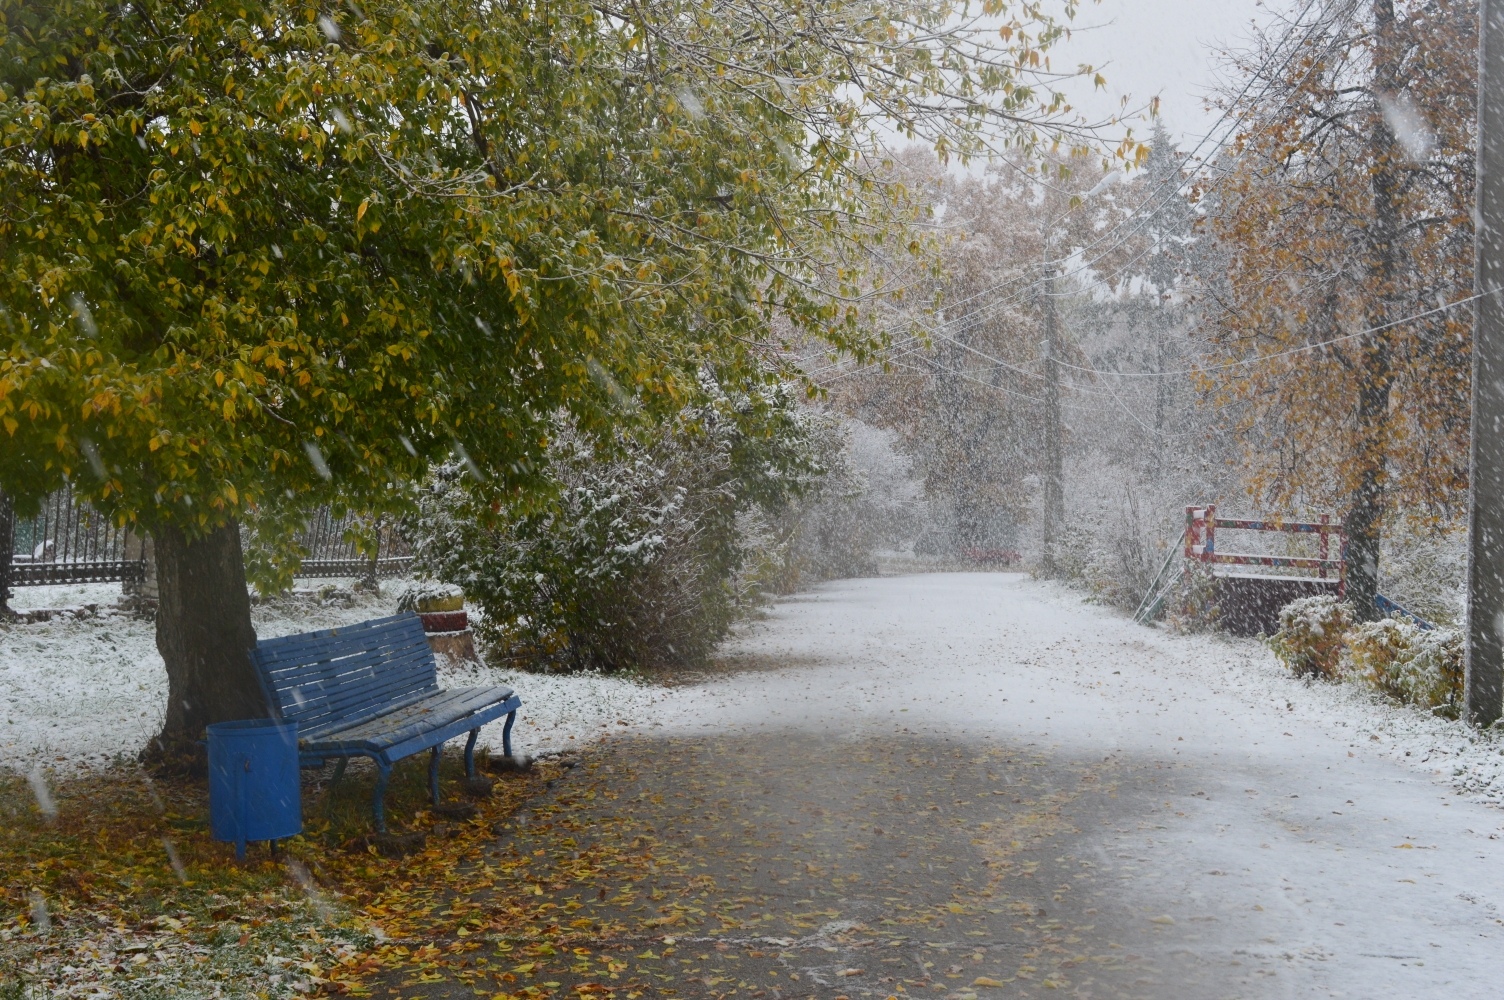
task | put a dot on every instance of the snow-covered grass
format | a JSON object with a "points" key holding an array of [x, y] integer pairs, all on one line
{"points": [[90, 689], [70, 595]]}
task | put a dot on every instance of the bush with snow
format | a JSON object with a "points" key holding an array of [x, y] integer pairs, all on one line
{"points": [[1410, 664], [631, 555], [1310, 636]]}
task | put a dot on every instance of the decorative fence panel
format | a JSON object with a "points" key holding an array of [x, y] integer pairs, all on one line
{"points": [[69, 542], [330, 554]]}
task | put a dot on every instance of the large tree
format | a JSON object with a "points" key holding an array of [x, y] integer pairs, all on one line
{"points": [[258, 252], [1343, 214]]}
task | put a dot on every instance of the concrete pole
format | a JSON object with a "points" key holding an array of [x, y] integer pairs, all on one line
{"points": [[1484, 682]]}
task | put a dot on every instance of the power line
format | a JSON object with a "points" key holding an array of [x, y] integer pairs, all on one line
{"points": [[1086, 265], [1248, 362]]}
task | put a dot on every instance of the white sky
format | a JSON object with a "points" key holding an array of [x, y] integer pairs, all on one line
{"points": [[1169, 48]]}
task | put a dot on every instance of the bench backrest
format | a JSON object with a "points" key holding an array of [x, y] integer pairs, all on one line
{"points": [[327, 679]]}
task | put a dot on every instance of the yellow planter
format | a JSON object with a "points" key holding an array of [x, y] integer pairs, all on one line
{"points": [[451, 602]]}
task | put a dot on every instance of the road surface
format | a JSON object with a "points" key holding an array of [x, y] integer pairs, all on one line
{"points": [[977, 785]]}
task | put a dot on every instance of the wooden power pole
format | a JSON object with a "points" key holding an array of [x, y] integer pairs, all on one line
{"points": [[1054, 471], [1484, 683], [7, 549]]}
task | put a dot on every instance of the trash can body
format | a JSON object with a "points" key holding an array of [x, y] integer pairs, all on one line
{"points": [[253, 781]]}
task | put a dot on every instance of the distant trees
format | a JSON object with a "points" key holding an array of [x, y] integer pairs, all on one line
{"points": [[963, 386], [1344, 213]]}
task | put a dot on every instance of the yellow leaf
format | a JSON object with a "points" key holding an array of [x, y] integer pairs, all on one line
{"points": [[987, 981], [361, 211]]}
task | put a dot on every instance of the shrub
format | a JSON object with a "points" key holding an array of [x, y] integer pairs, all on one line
{"points": [[631, 556], [1376, 652], [1310, 636], [1193, 606], [1407, 663]]}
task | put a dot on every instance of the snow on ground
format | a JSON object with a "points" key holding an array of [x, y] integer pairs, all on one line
{"points": [[895, 630], [71, 595], [88, 689], [1311, 840], [91, 688], [1309, 832]]}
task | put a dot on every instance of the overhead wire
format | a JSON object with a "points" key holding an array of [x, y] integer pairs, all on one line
{"points": [[1182, 182], [1249, 362]]}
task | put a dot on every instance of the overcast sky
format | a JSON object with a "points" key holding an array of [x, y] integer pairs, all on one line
{"points": [[1169, 48]]}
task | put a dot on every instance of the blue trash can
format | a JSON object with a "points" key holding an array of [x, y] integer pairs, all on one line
{"points": [[253, 781]]}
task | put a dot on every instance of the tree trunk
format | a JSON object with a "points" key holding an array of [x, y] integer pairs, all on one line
{"points": [[204, 631], [1365, 518]]}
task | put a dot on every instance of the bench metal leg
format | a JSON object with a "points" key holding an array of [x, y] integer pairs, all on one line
{"points": [[506, 733], [433, 773], [470, 753], [339, 772], [378, 807]]}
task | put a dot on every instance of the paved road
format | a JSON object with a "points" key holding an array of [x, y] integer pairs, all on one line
{"points": [[929, 785]]}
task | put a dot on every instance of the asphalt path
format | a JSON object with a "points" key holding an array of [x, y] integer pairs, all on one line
{"points": [[973, 785]]}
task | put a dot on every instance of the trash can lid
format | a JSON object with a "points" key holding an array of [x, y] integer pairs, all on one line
{"points": [[241, 725]]}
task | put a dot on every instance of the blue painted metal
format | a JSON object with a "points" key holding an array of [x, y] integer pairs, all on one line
{"points": [[371, 690], [470, 750], [1393, 610], [253, 781]]}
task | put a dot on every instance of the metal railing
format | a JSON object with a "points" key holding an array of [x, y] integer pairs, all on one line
{"points": [[67, 542], [70, 542], [1200, 539], [331, 553]]}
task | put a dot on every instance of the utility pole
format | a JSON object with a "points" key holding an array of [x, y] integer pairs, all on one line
{"points": [[1054, 473], [1484, 681], [7, 550]]}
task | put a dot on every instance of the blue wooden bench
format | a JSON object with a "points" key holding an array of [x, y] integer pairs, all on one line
{"points": [[370, 690]]}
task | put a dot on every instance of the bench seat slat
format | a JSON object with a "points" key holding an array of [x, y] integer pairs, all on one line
{"points": [[417, 719]]}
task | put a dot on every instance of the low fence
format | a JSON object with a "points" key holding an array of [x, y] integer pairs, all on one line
{"points": [[331, 553], [70, 542]]}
